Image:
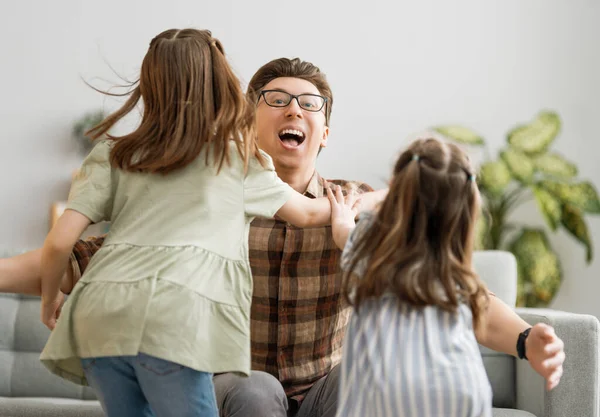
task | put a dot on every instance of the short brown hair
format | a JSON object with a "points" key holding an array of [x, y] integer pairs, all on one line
{"points": [[191, 98], [294, 68], [420, 244]]}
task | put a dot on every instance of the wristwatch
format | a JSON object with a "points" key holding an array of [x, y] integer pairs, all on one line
{"points": [[521, 343]]}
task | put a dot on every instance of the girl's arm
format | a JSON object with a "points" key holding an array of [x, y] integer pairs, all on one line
{"points": [[55, 257], [544, 349], [302, 211]]}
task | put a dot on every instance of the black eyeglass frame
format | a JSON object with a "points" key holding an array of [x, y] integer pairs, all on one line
{"points": [[293, 96]]}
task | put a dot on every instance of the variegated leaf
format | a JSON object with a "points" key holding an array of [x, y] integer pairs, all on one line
{"points": [[519, 164], [539, 269], [553, 164], [582, 195], [549, 205], [536, 136], [494, 176], [572, 220], [460, 134]]}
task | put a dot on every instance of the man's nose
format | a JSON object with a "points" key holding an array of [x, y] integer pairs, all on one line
{"points": [[293, 109]]}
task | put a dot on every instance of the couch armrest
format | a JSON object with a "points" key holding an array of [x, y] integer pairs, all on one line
{"points": [[578, 391]]}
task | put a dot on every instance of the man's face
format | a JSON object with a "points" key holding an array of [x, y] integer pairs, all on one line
{"points": [[291, 135]]}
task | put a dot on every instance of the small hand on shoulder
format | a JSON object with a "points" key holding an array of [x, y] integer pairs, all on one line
{"points": [[344, 210]]}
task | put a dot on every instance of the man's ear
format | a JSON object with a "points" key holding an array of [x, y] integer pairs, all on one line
{"points": [[325, 137]]}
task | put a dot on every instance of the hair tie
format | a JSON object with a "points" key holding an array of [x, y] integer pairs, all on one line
{"points": [[472, 177], [416, 157]]}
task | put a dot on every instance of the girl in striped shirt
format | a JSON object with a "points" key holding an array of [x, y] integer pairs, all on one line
{"points": [[410, 347]]}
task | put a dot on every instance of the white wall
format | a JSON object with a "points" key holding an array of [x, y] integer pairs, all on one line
{"points": [[395, 67]]}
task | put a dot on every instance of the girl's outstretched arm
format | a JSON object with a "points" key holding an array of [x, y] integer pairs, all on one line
{"points": [[544, 349], [55, 257], [302, 211]]}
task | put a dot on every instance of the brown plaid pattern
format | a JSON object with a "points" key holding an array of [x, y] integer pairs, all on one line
{"points": [[298, 315], [82, 254]]}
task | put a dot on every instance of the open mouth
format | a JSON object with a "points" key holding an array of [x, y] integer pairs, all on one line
{"points": [[291, 138]]}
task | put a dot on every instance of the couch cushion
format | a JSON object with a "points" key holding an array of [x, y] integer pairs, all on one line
{"points": [[22, 338], [498, 269], [506, 412], [500, 369], [49, 407]]}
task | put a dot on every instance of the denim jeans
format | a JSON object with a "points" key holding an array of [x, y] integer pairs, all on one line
{"points": [[147, 386]]}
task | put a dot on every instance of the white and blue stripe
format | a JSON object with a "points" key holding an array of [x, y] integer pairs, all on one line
{"points": [[406, 361]]}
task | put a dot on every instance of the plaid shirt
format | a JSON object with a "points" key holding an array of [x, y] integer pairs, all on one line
{"points": [[298, 316]]}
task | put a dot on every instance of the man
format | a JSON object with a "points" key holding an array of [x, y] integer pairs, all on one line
{"points": [[298, 316]]}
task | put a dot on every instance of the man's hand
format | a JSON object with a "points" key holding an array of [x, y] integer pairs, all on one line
{"points": [[50, 310], [544, 350]]}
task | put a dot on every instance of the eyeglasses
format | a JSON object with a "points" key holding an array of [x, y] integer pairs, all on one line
{"points": [[278, 98]]}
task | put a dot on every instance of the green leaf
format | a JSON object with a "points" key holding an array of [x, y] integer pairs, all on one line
{"points": [[494, 176], [555, 165], [539, 269], [86, 122], [550, 207], [572, 220], [460, 134], [482, 231], [582, 195], [536, 136], [82, 125], [519, 164]]}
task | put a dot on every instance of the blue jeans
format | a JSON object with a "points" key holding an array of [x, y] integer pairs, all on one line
{"points": [[147, 386]]}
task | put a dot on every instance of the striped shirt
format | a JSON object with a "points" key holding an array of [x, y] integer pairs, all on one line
{"points": [[298, 316], [400, 360]]}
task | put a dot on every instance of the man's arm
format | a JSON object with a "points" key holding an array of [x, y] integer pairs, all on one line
{"points": [[21, 274]]}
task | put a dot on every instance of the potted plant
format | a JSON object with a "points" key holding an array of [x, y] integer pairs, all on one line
{"points": [[526, 167], [82, 125]]}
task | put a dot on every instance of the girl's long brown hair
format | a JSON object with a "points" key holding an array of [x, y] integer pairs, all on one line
{"points": [[420, 245], [191, 98]]}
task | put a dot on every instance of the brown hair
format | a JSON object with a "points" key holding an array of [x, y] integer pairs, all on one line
{"points": [[420, 245], [294, 68], [191, 98]]}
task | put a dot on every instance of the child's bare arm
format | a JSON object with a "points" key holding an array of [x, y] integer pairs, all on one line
{"points": [[55, 256], [302, 211]]}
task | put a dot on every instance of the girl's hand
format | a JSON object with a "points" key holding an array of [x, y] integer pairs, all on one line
{"points": [[50, 310], [343, 212], [545, 352]]}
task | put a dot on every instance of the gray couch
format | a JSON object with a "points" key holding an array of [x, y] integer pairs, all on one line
{"points": [[27, 389], [518, 390]]}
